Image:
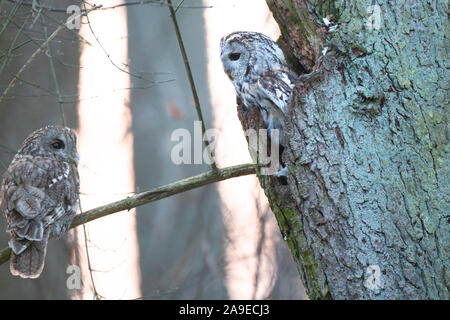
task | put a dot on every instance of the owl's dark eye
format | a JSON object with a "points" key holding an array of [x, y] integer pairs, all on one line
{"points": [[234, 56], [58, 144]]}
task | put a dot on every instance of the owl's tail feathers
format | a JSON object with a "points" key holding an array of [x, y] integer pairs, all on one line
{"points": [[29, 263]]}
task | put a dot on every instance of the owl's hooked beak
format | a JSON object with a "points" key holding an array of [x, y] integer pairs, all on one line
{"points": [[226, 66], [227, 72]]}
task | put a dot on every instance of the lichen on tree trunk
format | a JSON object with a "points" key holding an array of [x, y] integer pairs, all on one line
{"points": [[365, 211]]}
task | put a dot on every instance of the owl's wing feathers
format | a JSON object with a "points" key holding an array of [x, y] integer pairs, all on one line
{"points": [[276, 87], [27, 200], [29, 207], [28, 262]]}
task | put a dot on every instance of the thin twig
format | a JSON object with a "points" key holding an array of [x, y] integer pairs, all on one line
{"points": [[108, 56], [96, 295], [3, 165], [12, 14], [154, 195], [8, 54], [15, 48], [191, 82], [178, 6], [128, 69], [127, 4], [53, 71], [65, 99], [38, 51]]}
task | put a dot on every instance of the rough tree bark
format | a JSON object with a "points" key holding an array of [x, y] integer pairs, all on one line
{"points": [[365, 211]]}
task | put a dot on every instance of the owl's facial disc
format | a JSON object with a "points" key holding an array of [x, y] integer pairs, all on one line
{"points": [[234, 59], [62, 143]]}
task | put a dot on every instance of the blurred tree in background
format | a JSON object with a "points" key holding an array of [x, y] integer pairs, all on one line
{"points": [[181, 239]]}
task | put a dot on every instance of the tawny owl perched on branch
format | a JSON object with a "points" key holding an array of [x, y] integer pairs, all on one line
{"points": [[39, 196], [262, 79]]}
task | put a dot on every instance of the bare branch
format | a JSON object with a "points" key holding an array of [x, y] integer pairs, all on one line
{"points": [[158, 3], [38, 51], [191, 80], [53, 71], [154, 195]]}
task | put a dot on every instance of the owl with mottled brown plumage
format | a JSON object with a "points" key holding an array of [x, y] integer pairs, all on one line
{"points": [[39, 196], [261, 77]]}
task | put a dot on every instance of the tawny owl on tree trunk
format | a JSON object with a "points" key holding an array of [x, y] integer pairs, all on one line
{"points": [[39, 196], [260, 75]]}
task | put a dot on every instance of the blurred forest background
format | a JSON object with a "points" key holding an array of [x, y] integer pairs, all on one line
{"points": [[121, 83]]}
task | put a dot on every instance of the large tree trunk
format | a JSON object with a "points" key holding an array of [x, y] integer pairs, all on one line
{"points": [[365, 211]]}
